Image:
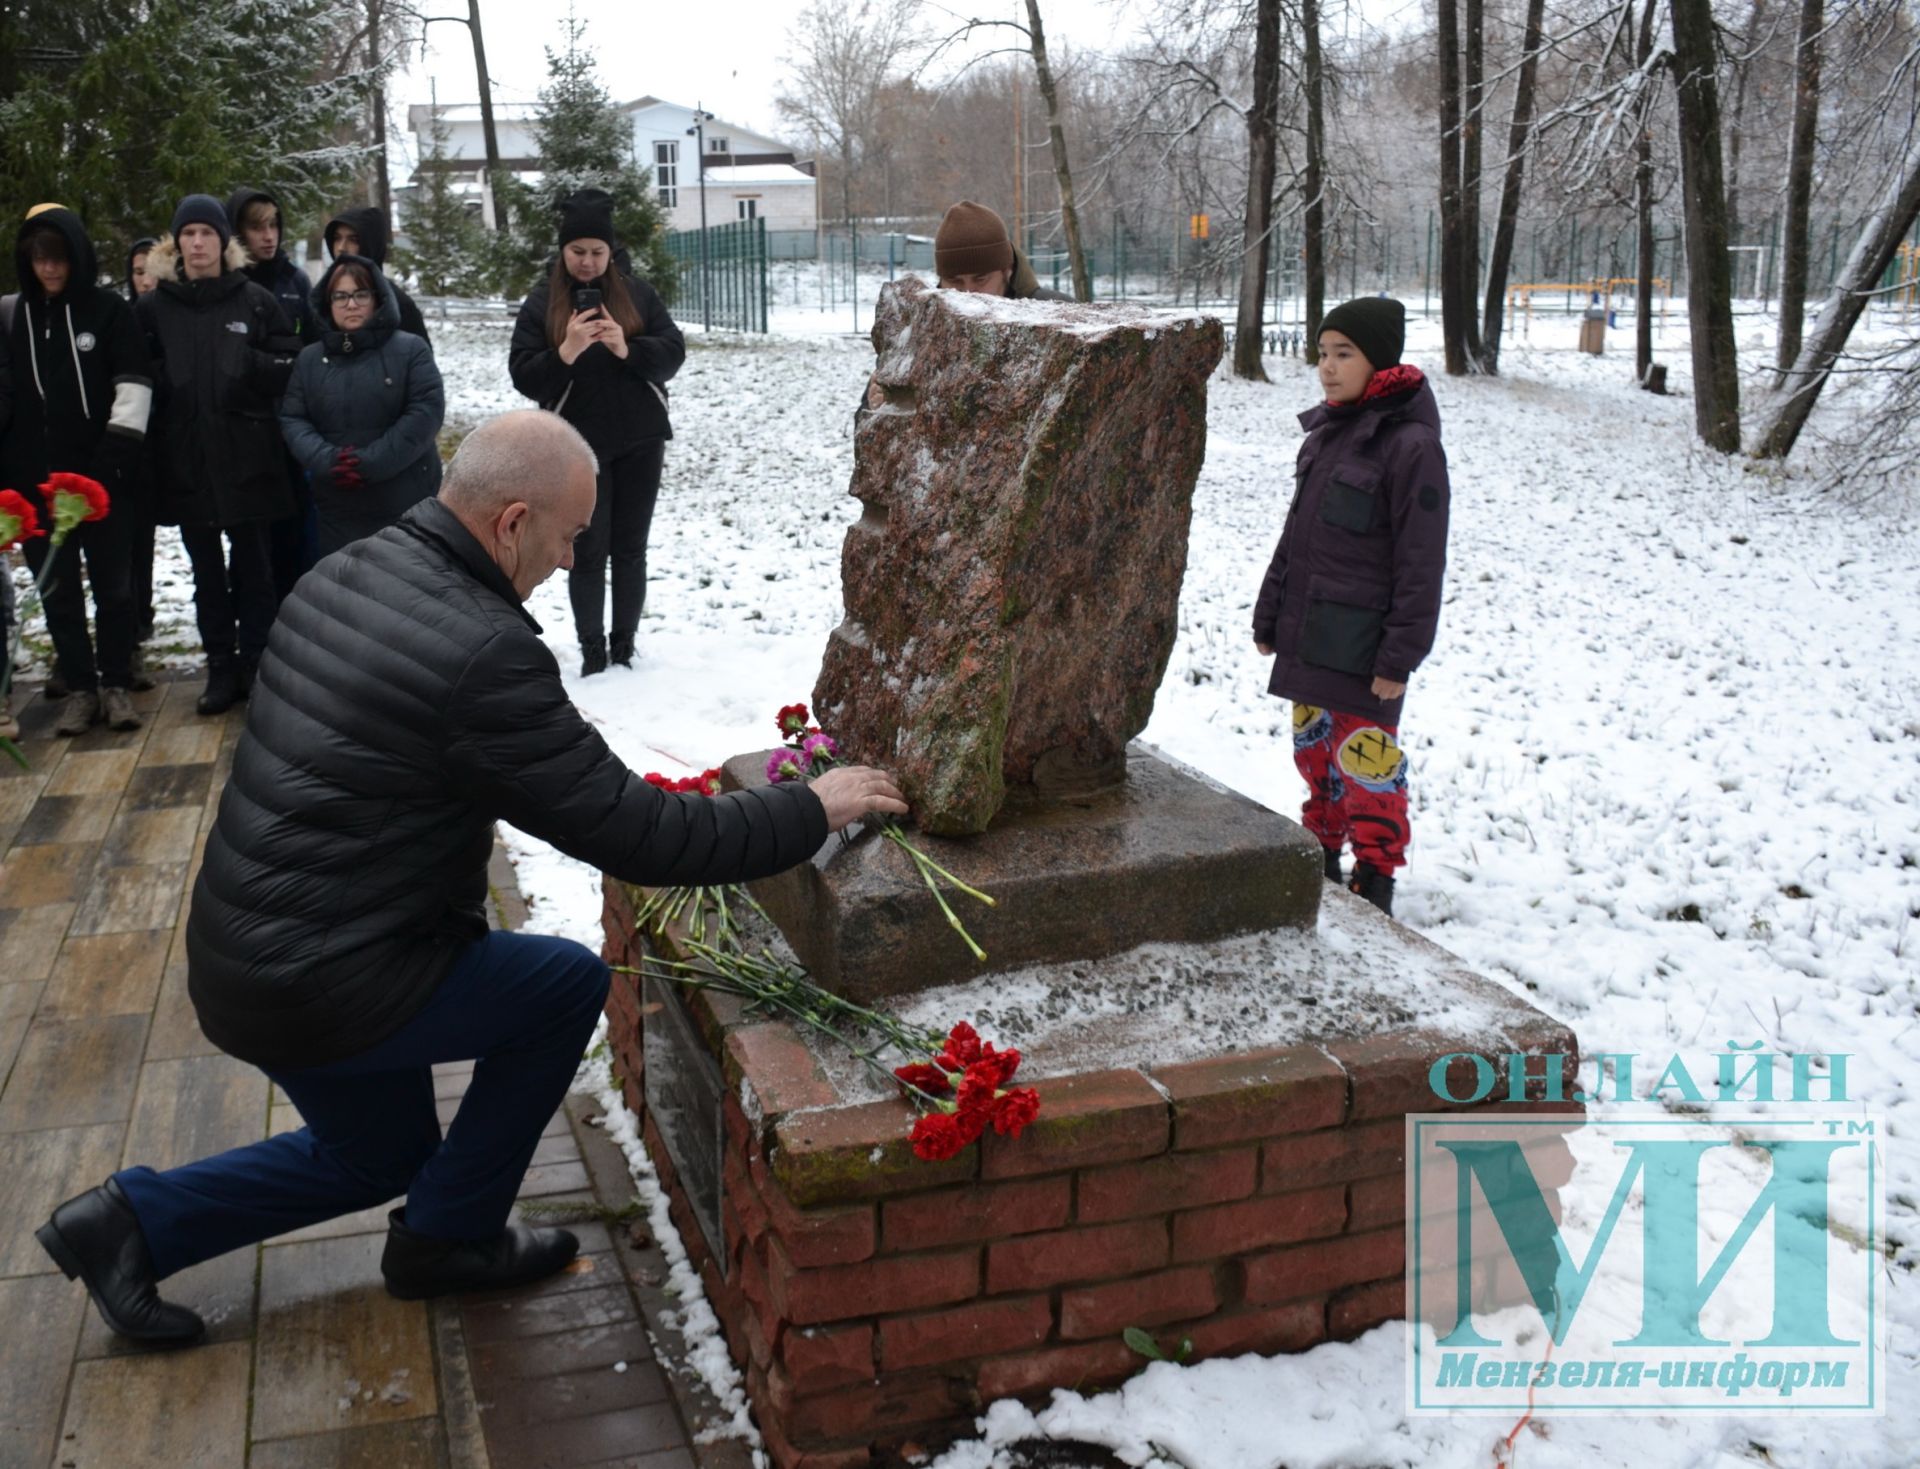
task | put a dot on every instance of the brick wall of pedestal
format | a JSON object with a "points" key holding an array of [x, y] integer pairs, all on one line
{"points": [[1251, 1203]]}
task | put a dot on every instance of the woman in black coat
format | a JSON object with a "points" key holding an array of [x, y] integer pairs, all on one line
{"points": [[363, 412], [597, 347]]}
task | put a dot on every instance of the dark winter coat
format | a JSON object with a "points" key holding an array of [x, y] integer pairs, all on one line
{"points": [[369, 225], [406, 703], [287, 281], [83, 382], [378, 390], [145, 242], [223, 351], [1353, 592], [617, 405], [1024, 283]]}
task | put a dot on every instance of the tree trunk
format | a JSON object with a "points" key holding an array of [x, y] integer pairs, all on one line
{"points": [[377, 102], [1313, 262], [1470, 172], [1455, 299], [1057, 137], [1716, 371], [1806, 122], [1736, 125], [1643, 208], [486, 115], [1262, 129], [1500, 259], [1873, 252]]}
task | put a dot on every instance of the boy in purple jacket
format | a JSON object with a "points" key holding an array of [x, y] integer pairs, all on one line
{"points": [[1352, 597]]}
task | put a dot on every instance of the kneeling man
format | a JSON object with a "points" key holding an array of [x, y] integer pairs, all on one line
{"points": [[338, 936]]}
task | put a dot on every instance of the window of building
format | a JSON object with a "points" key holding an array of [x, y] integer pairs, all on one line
{"points": [[748, 208], [716, 145], [666, 172]]}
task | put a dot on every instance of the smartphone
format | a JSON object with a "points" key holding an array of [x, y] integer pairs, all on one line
{"points": [[586, 298]]}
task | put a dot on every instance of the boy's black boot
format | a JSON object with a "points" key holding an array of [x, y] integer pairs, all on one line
{"points": [[223, 684], [593, 656], [1376, 887], [1332, 857], [419, 1266], [96, 1238]]}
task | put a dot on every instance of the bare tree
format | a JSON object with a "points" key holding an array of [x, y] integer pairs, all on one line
{"points": [[1456, 283], [1643, 203], [844, 57], [1313, 188], [1806, 123], [1716, 368], [1262, 127], [1473, 60], [1500, 259], [1873, 252]]}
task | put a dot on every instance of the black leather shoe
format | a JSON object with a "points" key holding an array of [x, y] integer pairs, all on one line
{"points": [[418, 1266], [1332, 865], [96, 1238], [1376, 887]]}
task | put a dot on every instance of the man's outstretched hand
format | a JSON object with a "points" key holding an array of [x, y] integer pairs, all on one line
{"points": [[852, 791]]}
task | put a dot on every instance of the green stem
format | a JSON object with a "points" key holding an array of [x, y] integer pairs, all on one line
{"points": [[898, 838]]}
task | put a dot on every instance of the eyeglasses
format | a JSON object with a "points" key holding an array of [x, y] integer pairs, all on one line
{"points": [[351, 298]]}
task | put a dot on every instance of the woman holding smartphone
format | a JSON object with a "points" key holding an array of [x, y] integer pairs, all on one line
{"points": [[597, 346]]}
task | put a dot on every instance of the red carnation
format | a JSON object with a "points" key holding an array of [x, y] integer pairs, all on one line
{"points": [[924, 1077], [1013, 1110], [936, 1136], [708, 782], [656, 779], [977, 1090], [1000, 1065], [792, 720], [19, 521], [962, 1049], [63, 482]]}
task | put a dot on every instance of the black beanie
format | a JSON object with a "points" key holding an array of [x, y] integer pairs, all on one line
{"points": [[203, 209], [587, 215], [1377, 325]]}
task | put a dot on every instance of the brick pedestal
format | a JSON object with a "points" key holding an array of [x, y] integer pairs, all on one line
{"points": [[1251, 1202]]}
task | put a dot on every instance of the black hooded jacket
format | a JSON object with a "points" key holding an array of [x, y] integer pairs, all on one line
{"points": [[377, 389], [287, 281], [83, 384], [223, 351], [405, 704], [145, 242], [369, 225], [616, 404]]}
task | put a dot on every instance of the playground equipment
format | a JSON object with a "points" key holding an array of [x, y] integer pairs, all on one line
{"points": [[1906, 283], [1607, 288]]}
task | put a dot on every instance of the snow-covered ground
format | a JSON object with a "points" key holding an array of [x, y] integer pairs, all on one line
{"points": [[1666, 777]]}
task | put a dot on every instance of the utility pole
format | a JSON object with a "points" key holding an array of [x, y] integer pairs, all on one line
{"points": [[472, 23], [699, 133]]}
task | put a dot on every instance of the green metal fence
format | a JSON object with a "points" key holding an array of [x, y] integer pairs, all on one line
{"points": [[723, 275]]}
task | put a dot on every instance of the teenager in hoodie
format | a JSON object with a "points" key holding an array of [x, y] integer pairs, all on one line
{"points": [[83, 392], [363, 412], [224, 351], [604, 368], [362, 230], [1351, 600], [255, 215]]}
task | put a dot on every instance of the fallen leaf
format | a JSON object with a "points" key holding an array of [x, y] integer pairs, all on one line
{"points": [[580, 1265]]}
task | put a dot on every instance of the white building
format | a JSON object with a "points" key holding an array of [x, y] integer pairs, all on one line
{"points": [[748, 175]]}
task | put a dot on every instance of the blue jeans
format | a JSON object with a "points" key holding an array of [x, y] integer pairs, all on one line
{"points": [[522, 1006]]}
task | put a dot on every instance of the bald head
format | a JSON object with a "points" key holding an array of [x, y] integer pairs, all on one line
{"points": [[523, 484]]}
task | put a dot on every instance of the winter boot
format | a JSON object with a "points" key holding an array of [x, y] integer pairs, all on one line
{"points": [[96, 1238], [223, 685], [55, 688], [141, 680], [622, 649], [1331, 856], [419, 1266], [79, 713], [593, 656], [117, 709], [1375, 886]]}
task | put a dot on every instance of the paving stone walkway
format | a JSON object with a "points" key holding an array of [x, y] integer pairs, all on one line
{"points": [[307, 1361]]}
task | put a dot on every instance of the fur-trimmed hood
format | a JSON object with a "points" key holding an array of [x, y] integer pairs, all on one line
{"points": [[164, 263]]}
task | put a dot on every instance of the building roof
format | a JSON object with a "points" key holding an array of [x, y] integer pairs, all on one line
{"points": [[753, 175]]}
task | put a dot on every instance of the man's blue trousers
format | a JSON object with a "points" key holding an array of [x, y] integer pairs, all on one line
{"points": [[521, 1006]]}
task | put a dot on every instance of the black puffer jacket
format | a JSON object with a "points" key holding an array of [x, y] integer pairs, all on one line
{"points": [[288, 282], [377, 389], [223, 351], [369, 226], [617, 405], [406, 703]]}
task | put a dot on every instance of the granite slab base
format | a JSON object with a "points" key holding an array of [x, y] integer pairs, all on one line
{"points": [[1164, 857]]}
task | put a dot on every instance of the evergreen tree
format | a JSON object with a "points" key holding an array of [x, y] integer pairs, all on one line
{"points": [[585, 141], [120, 110], [447, 250]]}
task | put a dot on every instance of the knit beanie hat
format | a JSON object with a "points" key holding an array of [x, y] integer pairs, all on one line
{"points": [[587, 215], [203, 209], [971, 240], [1377, 325]]}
